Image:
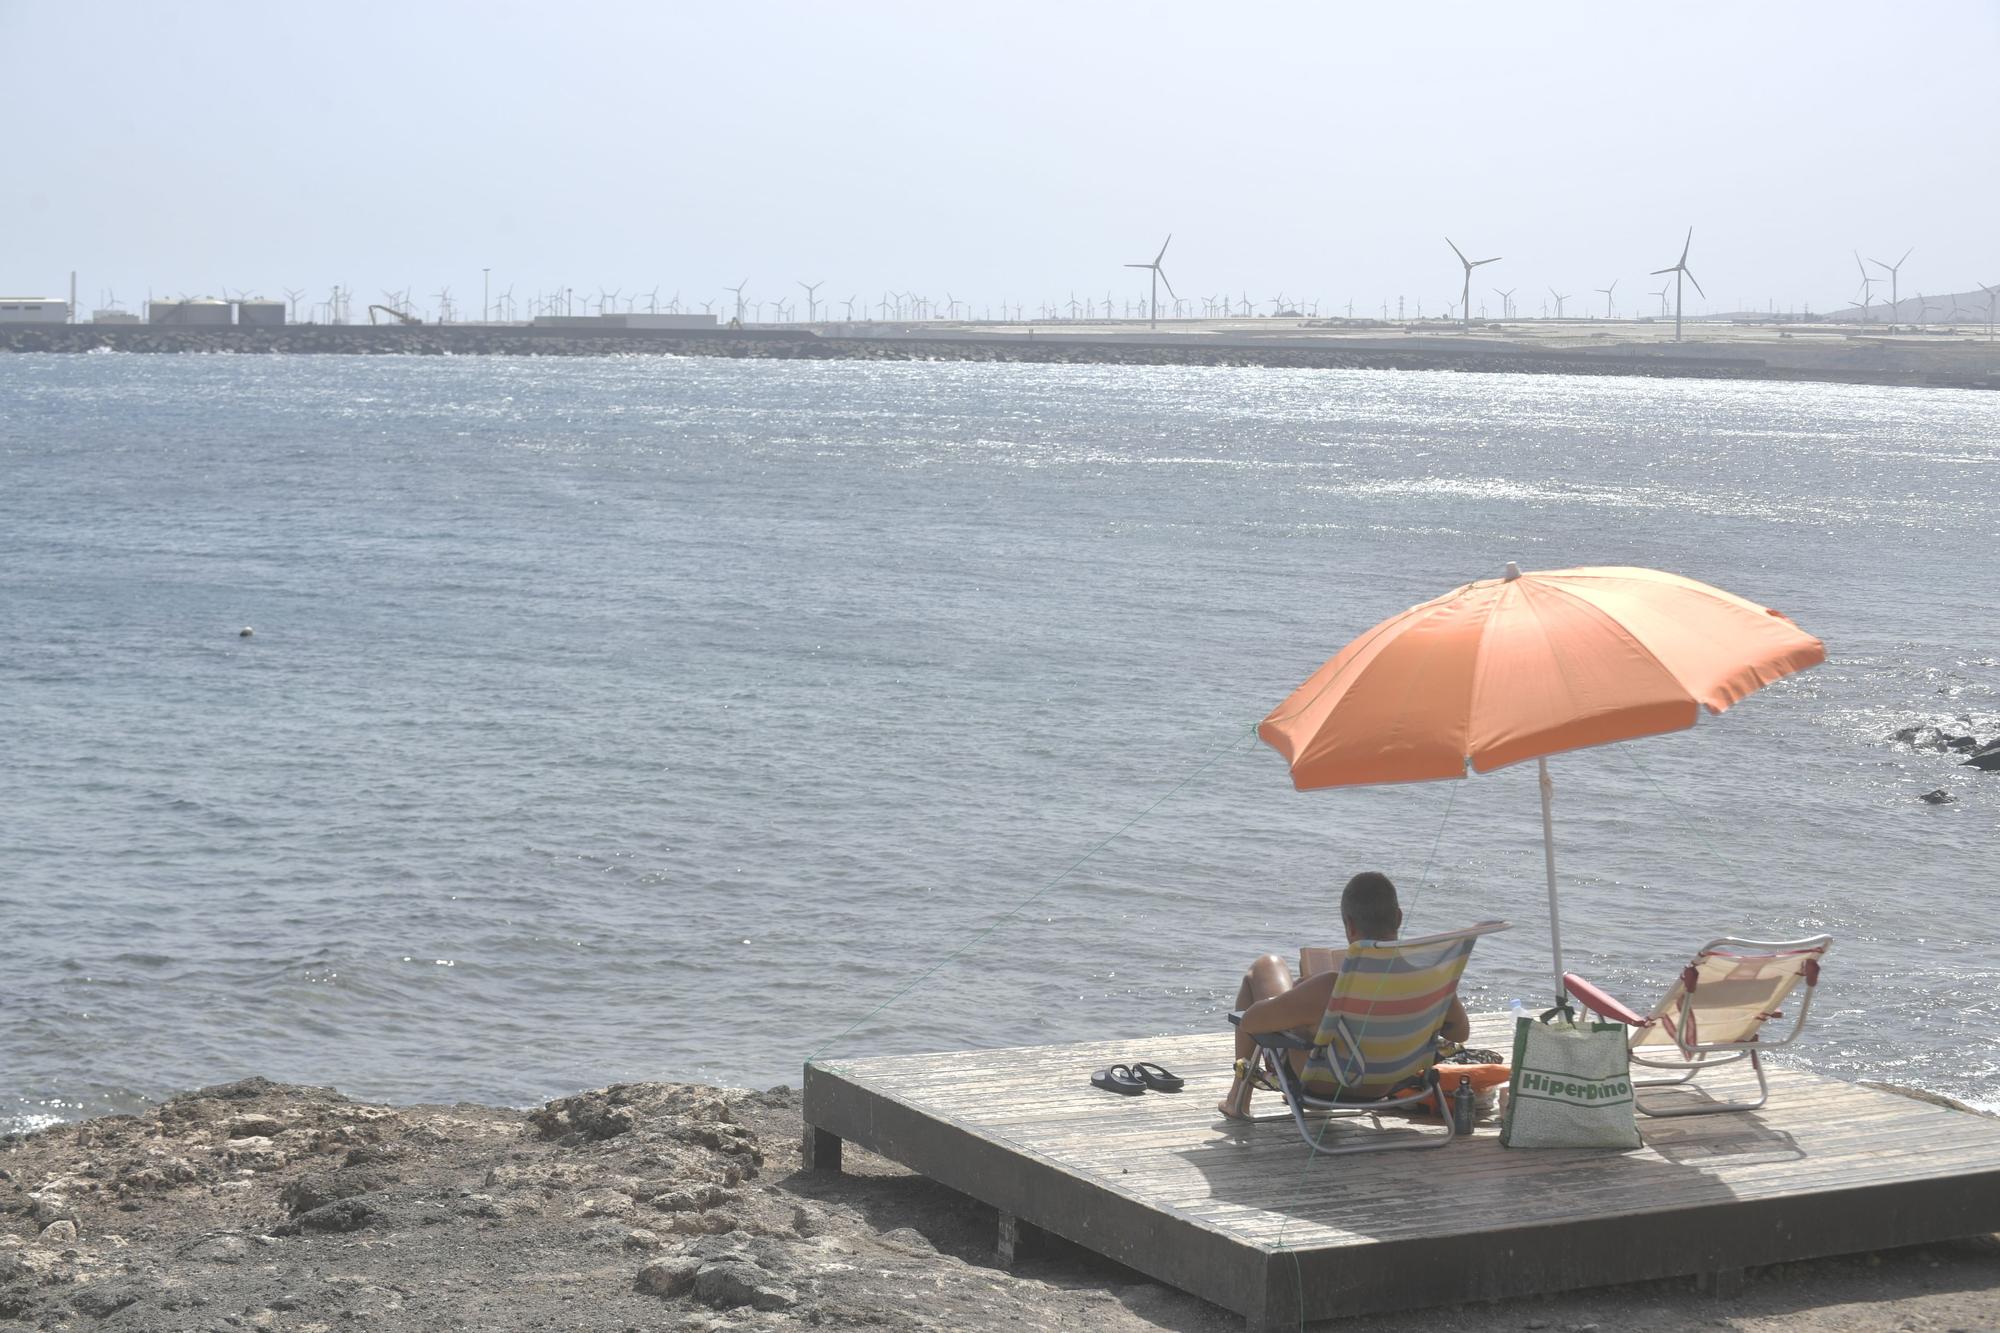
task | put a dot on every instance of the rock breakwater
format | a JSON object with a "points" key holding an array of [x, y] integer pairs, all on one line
{"points": [[799, 344]]}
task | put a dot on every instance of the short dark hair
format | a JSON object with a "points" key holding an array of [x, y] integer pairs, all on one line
{"points": [[1369, 904]]}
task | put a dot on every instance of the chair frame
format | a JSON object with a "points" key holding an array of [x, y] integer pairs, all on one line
{"points": [[1273, 1049], [1699, 1057]]}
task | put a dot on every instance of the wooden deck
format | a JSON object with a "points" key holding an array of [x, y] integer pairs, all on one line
{"points": [[1241, 1217]]}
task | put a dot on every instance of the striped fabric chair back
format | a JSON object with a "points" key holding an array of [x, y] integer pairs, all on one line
{"points": [[1731, 989], [1381, 1022]]}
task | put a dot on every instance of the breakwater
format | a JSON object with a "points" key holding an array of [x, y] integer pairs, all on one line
{"points": [[1852, 366]]}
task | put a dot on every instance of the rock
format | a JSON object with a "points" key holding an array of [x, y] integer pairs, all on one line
{"points": [[344, 1215], [638, 1238], [728, 1284], [104, 1299], [672, 1276], [48, 1205], [58, 1233], [1986, 760], [253, 1126], [319, 1189], [1937, 797]]}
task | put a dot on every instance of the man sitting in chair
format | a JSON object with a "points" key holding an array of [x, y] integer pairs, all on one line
{"points": [[1273, 1002]]}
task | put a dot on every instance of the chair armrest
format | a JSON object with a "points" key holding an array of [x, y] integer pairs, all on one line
{"points": [[1276, 1041], [1281, 1041], [1598, 1001]]}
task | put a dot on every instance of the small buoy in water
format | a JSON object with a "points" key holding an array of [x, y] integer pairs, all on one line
{"points": [[245, 632]]}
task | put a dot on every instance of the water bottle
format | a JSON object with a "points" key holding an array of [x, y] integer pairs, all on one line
{"points": [[1517, 1010], [1463, 1110]]}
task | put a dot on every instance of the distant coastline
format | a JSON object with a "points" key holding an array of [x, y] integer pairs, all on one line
{"points": [[1963, 366]]}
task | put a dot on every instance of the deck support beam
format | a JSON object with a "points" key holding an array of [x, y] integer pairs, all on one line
{"points": [[1018, 1240], [820, 1151]]}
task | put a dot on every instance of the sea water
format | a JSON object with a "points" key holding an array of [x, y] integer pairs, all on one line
{"points": [[655, 718]]}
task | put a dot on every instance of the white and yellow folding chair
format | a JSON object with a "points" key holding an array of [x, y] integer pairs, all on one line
{"points": [[1714, 1013]]}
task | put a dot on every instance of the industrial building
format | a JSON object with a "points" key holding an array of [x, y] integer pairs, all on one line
{"points": [[203, 312], [33, 310]]}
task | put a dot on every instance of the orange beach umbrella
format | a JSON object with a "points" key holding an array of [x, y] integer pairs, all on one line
{"points": [[1525, 666]]}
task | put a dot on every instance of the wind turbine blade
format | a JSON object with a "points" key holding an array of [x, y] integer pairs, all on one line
{"points": [[1697, 286], [1906, 254], [1163, 249], [1685, 244], [1496, 259], [1658, 271], [1455, 250], [1164, 283], [1138, 266]]}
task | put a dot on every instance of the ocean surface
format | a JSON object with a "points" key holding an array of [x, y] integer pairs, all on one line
{"points": [[650, 718]]}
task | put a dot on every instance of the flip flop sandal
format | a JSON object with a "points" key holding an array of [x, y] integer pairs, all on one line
{"points": [[1158, 1078], [1120, 1079]]}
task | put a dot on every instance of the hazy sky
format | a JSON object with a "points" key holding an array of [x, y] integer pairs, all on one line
{"points": [[1004, 151]]}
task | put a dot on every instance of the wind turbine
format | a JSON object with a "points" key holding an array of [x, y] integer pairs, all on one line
{"points": [[1662, 294], [738, 289], [812, 299], [1992, 298], [1159, 276], [1465, 297], [1560, 298], [1867, 286], [1680, 270], [1605, 292], [1895, 298], [1506, 303], [293, 297]]}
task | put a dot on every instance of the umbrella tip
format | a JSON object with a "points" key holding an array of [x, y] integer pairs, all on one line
{"points": [[1513, 571]]}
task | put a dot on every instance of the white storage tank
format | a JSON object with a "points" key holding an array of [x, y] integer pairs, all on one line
{"points": [[260, 314], [203, 312]]}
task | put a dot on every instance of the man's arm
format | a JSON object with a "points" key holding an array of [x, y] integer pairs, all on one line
{"points": [[1300, 1007], [1457, 1027]]}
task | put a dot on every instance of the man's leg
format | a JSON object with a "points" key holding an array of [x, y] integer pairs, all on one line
{"points": [[1268, 976]]}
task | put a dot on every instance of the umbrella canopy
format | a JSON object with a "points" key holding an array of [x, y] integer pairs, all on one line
{"points": [[1526, 666], [1529, 665]]}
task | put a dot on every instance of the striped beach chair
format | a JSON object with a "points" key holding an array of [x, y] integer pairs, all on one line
{"points": [[1376, 1046], [1714, 1014]]}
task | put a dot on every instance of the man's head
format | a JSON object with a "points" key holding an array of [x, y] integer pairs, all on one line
{"points": [[1368, 907]]}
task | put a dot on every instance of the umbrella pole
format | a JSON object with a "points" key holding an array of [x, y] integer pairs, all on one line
{"points": [[1549, 857]]}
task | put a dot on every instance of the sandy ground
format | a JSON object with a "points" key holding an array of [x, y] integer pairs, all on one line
{"points": [[660, 1206]]}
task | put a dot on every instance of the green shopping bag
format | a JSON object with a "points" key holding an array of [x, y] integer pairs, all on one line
{"points": [[1571, 1086]]}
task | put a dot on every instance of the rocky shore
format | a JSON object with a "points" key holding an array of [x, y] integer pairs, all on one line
{"points": [[255, 1205], [1849, 366]]}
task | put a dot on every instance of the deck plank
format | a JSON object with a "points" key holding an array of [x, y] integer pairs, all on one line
{"points": [[1245, 1216]]}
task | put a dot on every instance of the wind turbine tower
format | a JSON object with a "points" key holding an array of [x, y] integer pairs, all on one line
{"points": [[1605, 292], [1465, 297], [1895, 296], [812, 299], [738, 290], [1159, 276], [1680, 270], [1506, 303], [1560, 298]]}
